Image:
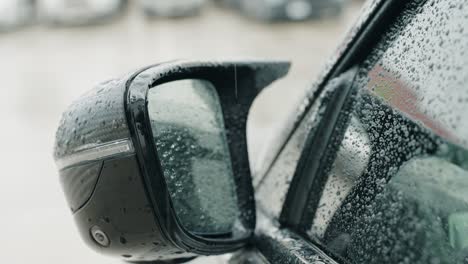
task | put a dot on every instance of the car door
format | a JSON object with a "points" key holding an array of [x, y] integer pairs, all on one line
{"points": [[375, 168]]}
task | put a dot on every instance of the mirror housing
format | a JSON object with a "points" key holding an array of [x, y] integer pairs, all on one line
{"points": [[111, 172]]}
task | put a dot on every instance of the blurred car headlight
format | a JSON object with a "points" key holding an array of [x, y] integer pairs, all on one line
{"points": [[298, 10]]}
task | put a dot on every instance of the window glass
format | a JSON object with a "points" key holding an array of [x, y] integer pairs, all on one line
{"points": [[271, 191], [350, 162], [423, 72], [403, 196]]}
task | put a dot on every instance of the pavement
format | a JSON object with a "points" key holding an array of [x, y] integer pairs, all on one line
{"points": [[43, 69]]}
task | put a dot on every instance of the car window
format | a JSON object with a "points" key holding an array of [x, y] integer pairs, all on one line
{"points": [[271, 191], [397, 191]]}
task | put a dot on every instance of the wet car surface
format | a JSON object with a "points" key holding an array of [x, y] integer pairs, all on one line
{"points": [[47, 68], [371, 167]]}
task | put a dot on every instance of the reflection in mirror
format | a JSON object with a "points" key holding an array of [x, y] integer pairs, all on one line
{"points": [[189, 133]]}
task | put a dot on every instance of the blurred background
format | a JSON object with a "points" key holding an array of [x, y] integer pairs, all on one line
{"points": [[52, 51]]}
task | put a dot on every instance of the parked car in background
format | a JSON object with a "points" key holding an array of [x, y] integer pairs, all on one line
{"points": [[372, 167], [79, 12], [172, 8], [286, 10], [16, 13]]}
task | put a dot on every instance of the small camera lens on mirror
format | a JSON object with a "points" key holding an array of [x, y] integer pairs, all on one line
{"points": [[99, 236]]}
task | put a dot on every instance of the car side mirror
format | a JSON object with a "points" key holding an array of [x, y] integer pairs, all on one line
{"points": [[155, 166]]}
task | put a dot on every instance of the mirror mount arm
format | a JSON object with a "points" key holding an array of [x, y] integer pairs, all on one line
{"points": [[237, 84], [232, 73]]}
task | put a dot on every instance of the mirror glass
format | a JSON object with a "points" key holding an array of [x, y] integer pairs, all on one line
{"points": [[188, 129]]}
